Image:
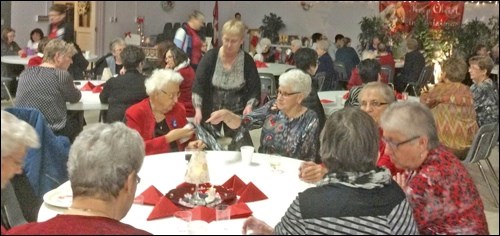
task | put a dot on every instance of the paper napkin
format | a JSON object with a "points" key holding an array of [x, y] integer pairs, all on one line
{"points": [[203, 213], [87, 87], [98, 88], [346, 96], [236, 184], [240, 210], [260, 64], [150, 196], [251, 194], [325, 101], [164, 208]]}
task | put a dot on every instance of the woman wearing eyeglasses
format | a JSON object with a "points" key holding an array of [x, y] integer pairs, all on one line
{"points": [[123, 91], [438, 187], [160, 119], [288, 128]]}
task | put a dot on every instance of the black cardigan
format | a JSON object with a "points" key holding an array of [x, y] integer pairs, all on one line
{"points": [[203, 83]]}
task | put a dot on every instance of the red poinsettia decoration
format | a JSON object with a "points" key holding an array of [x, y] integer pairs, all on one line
{"points": [[139, 20]]}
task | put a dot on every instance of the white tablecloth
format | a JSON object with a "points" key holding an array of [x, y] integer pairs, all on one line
{"points": [[166, 171], [15, 59], [89, 100], [275, 68], [399, 63]]}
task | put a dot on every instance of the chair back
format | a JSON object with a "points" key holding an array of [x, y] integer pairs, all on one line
{"points": [[209, 30], [426, 76], [268, 86], [5, 81], [177, 25], [12, 214], [389, 72], [168, 31], [340, 70], [484, 141]]}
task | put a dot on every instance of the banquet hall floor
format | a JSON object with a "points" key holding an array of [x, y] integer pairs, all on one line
{"points": [[490, 210]]}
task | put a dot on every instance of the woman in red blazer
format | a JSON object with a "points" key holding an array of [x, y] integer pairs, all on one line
{"points": [[160, 119]]}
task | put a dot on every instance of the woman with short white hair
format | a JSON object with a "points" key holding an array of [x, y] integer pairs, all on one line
{"points": [[17, 137], [288, 128], [160, 119]]}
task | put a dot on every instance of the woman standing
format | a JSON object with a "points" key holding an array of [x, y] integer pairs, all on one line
{"points": [[188, 39], [226, 78], [178, 61]]}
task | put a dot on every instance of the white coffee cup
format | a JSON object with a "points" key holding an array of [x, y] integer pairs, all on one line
{"points": [[247, 154], [87, 54]]}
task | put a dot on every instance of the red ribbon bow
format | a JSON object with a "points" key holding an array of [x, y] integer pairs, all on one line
{"points": [[129, 34], [140, 20]]}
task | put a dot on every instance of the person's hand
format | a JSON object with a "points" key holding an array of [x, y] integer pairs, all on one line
{"points": [[247, 110], [311, 172], [217, 116], [177, 134], [197, 116], [401, 178], [21, 52], [256, 226], [196, 144], [122, 71]]}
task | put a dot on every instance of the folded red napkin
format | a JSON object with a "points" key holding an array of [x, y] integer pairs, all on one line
{"points": [[251, 194], [326, 101], [346, 96], [164, 208], [87, 87], [398, 95], [203, 213], [236, 184], [240, 210], [98, 88], [150, 196], [187, 185], [260, 64]]}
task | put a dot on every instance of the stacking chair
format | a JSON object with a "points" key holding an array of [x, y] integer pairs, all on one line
{"points": [[341, 71], [426, 76], [268, 87], [387, 70], [6, 80], [168, 31], [12, 214], [484, 141]]}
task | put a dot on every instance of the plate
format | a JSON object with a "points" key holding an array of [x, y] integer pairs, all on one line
{"points": [[62, 196]]}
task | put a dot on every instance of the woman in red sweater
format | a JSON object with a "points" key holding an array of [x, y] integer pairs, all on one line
{"points": [[178, 61]]}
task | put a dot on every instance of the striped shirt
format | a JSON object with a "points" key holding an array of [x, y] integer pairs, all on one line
{"points": [[48, 90]]}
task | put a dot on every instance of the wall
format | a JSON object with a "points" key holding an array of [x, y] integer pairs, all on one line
{"points": [[6, 10], [328, 17]]}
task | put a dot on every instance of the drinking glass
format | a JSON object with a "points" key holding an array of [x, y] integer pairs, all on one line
{"points": [[275, 163], [186, 217]]}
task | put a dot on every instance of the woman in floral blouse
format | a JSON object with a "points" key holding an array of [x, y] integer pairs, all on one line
{"points": [[288, 128], [484, 91]]}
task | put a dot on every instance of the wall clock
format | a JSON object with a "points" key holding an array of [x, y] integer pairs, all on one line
{"points": [[167, 5]]}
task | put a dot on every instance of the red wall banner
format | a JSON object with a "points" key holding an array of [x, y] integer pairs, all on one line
{"points": [[402, 14]]}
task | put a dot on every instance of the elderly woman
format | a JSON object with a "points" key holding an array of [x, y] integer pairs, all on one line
{"points": [[439, 188], [188, 39], [295, 45], [325, 68], [288, 128], [355, 197], [103, 165], [10, 47], [414, 64], [123, 91], [269, 53], [369, 71], [49, 86], [484, 91], [17, 137], [160, 119], [226, 78], [112, 60], [452, 106], [178, 61]]}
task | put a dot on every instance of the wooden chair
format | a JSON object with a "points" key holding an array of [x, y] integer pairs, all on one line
{"points": [[484, 141]]}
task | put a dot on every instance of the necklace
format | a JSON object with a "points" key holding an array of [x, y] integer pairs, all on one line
{"points": [[90, 212]]}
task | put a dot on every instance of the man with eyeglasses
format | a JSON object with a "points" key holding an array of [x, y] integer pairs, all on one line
{"points": [[439, 189]]}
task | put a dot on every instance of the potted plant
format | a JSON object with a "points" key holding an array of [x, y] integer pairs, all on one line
{"points": [[371, 27], [272, 24]]}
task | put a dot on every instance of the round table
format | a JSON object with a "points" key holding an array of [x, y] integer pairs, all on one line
{"points": [[275, 68], [15, 59], [166, 171], [89, 100]]}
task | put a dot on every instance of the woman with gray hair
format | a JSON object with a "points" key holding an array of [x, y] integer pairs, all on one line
{"points": [[125, 90], [17, 137], [355, 197], [188, 39], [160, 119], [295, 45], [112, 60], [439, 188], [288, 128], [103, 165], [49, 86]]}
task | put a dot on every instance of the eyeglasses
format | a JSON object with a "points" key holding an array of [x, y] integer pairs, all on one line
{"points": [[171, 95], [285, 94], [138, 179], [373, 104], [396, 145]]}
